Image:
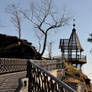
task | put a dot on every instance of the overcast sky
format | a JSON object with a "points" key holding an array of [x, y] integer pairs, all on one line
{"points": [[81, 10]]}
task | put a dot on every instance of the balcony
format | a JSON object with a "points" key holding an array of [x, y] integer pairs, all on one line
{"points": [[75, 59]]}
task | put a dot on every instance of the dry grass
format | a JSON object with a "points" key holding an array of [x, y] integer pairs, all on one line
{"points": [[72, 70]]}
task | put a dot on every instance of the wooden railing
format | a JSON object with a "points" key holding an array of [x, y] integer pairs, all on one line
{"points": [[74, 57], [41, 80], [8, 65]]}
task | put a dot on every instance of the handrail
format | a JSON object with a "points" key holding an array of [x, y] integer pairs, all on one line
{"points": [[36, 68]]}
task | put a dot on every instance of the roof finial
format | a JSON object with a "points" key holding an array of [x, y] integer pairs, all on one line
{"points": [[74, 23]]}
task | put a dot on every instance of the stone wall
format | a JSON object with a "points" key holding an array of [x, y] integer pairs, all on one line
{"points": [[49, 64]]}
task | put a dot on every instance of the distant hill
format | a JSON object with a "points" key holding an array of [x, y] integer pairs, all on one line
{"points": [[12, 47]]}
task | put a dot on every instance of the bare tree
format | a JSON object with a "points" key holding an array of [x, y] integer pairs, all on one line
{"points": [[15, 17], [45, 18]]}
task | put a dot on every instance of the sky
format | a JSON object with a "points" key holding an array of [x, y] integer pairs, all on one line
{"points": [[81, 10]]}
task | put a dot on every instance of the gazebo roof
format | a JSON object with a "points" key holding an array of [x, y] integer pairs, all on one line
{"points": [[74, 40], [72, 43]]}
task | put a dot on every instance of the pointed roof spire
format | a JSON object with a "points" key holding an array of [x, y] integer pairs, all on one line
{"points": [[74, 23], [74, 38]]}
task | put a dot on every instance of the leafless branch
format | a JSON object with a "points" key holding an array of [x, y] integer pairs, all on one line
{"points": [[15, 17], [25, 15], [45, 18]]}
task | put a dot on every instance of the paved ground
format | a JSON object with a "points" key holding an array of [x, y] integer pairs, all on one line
{"points": [[10, 82]]}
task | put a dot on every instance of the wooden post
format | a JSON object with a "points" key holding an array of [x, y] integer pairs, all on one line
{"points": [[76, 52], [80, 54], [76, 65], [80, 66]]}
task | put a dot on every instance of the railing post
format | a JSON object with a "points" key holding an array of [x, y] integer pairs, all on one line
{"points": [[28, 75], [27, 68]]}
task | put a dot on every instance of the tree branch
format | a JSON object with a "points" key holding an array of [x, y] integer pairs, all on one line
{"points": [[40, 29], [25, 15]]}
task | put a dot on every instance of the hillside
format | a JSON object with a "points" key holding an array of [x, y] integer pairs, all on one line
{"points": [[75, 77], [12, 47]]}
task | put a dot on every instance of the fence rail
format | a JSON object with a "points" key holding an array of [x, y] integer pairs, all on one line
{"points": [[41, 80], [74, 57], [8, 65]]}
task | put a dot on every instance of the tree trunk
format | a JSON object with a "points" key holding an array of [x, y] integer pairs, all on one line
{"points": [[44, 45], [19, 32], [39, 46]]}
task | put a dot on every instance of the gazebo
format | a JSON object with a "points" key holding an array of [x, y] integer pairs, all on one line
{"points": [[72, 50]]}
